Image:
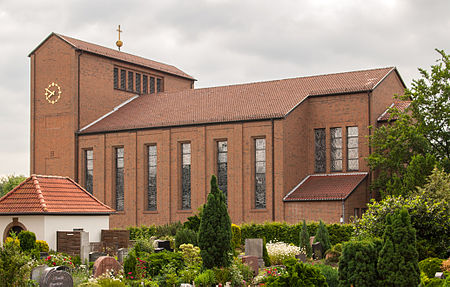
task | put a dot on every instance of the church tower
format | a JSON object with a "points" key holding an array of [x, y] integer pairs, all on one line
{"points": [[74, 83]]}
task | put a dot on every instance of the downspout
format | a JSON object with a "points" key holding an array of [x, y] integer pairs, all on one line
{"points": [[170, 175], [369, 107], [273, 172], [78, 119], [136, 175], [343, 210]]}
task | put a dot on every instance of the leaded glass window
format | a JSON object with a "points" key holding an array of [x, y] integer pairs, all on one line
{"points": [[352, 148], [260, 173], [130, 81], [89, 170], [336, 149], [158, 85], [152, 167], [152, 85], [138, 82], [222, 168], [185, 176], [119, 175], [123, 75], [320, 150], [116, 78], [145, 84]]}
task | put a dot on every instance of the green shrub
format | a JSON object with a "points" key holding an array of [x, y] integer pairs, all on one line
{"points": [[193, 222], [42, 246], [214, 237], [185, 236], [27, 240], [205, 279], [169, 229], [358, 263], [191, 255], [266, 257], [331, 274], [14, 267], [435, 282], [322, 236], [430, 266], [236, 236], [298, 274], [334, 253], [222, 275], [397, 261], [304, 240], [129, 264], [143, 246], [143, 232], [157, 261]]}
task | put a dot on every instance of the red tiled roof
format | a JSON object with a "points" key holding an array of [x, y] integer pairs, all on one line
{"points": [[400, 106], [41, 194], [326, 187], [122, 56], [253, 101]]}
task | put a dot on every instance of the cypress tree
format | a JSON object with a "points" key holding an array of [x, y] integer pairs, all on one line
{"points": [[304, 240], [214, 238], [323, 237], [397, 262]]}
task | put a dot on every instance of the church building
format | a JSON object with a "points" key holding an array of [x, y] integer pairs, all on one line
{"points": [[137, 135]]}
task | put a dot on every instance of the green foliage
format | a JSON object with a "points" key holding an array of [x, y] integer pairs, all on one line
{"points": [[397, 263], [214, 238], [298, 274], [129, 264], [304, 240], [193, 222], [142, 246], [422, 129], [159, 231], [331, 274], [358, 263], [334, 253], [236, 236], [191, 255], [322, 236], [14, 267], [437, 187], [42, 246], [185, 236], [157, 262], [430, 266], [205, 279], [430, 218], [9, 182], [266, 257], [27, 240]]}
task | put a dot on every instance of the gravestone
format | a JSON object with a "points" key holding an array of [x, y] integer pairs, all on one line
{"points": [[254, 247], [93, 256], [52, 276], [162, 245], [301, 257], [122, 253], [317, 250], [439, 275], [251, 261], [104, 264]]}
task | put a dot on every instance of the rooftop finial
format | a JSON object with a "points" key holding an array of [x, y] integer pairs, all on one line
{"points": [[119, 43]]}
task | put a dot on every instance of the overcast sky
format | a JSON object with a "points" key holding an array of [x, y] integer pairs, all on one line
{"points": [[219, 42]]}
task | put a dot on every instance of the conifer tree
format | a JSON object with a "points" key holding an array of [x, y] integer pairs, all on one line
{"points": [[304, 240], [214, 238], [397, 261], [323, 237]]}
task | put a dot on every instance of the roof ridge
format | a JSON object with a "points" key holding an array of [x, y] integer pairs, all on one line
{"points": [[39, 192], [88, 193]]}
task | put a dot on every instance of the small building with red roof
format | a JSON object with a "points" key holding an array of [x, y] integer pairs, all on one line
{"points": [[46, 204]]}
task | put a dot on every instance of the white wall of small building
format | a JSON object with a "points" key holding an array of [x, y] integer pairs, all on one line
{"points": [[46, 226]]}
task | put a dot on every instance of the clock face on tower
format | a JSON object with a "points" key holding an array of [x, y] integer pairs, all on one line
{"points": [[53, 93]]}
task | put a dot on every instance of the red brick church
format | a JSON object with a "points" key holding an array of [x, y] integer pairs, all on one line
{"points": [[138, 135]]}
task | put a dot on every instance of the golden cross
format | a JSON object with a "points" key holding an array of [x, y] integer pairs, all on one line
{"points": [[118, 30]]}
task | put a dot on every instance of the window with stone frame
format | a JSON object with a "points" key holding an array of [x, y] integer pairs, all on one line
{"points": [[260, 173], [116, 78], [186, 176], [138, 83], [336, 149], [130, 81], [352, 149], [123, 76], [152, 85], [144, 84], [89, 170], [152, 171], [320, 150], [222, 166], [119, 179]]}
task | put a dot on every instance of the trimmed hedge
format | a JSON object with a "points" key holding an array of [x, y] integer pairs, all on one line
{"points": [[272, 231], [281, 231]]}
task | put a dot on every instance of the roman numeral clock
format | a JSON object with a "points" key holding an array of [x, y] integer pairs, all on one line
{"points": [[53, 93]]}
